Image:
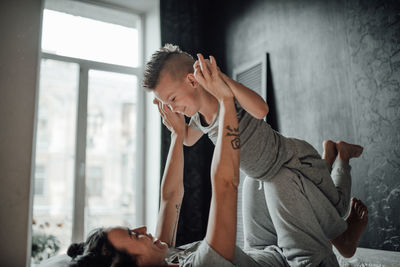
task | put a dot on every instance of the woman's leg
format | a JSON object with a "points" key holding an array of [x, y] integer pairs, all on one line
{"points": [[259, 231], [299, 211]]}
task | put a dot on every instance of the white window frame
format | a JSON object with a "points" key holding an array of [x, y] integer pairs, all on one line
{"points": [[78, 228]]}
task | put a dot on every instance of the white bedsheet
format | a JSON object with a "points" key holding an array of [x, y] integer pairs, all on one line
{"points": [[364, 257]]}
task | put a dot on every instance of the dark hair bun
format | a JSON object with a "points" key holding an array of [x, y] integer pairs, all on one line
{"points": [[75, 249]]}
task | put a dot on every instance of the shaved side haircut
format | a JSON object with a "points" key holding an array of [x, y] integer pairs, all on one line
{"points": [[168, 59]]}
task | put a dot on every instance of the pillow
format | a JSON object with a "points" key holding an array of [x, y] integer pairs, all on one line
{"points": [[57, 261]]}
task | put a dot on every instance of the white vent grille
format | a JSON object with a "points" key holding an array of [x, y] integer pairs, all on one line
{"points": [[252, 78]]}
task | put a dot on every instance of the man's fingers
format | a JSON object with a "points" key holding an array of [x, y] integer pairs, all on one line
{"points": [[163, 110], [203, 66], [168, 109], [164, 116], [213, 62], [159, 108], [208, 64], [198, 74], [212, 69], [196, 64], [168, 113]]}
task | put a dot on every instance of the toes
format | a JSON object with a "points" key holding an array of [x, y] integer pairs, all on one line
{"points": [[353, 202], [361, 209], [364, 208], [356, 206], [364, 212], [327, 142], [364, 215], [329, 145], [362, 204], [340, 143], [359, 150]]}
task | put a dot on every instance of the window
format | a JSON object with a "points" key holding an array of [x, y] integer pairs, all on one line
{"points": [[79, 37], [40, 179], [88, 121], [94, 181]]}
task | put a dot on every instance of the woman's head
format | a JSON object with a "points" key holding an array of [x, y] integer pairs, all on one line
{"points": [[118, 247], [147, 250]]}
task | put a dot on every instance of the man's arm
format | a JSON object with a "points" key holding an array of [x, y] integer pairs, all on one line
{"points": [[192, 136], [221, 228], [248, 99], [172, 183]]}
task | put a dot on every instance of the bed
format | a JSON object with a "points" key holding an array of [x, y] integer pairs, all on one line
{"points": [[364, 257]]}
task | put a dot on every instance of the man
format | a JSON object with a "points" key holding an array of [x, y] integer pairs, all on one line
{"points": [[282, 213]]}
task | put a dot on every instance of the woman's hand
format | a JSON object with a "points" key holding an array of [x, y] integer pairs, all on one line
{"points": [[208, 75], [173, 121]]}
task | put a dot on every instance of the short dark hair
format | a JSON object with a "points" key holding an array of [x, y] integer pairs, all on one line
{"points": [[98, 251], [170, 58]]}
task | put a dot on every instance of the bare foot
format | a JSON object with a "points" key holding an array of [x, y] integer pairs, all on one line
{"points": [[347, 151], [357, 221], [330, 151]]}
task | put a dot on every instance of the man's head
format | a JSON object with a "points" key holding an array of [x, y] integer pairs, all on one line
{"points": [[168, 59], [169, 74]]}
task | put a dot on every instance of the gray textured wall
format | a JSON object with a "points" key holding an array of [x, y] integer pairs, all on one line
{"points": [[19, 54], [336, 75]]}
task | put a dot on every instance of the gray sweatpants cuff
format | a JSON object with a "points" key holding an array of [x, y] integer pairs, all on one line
{"points": [[342, 179]]}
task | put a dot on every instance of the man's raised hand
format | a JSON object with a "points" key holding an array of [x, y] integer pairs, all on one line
{"points": [[207, 74]]}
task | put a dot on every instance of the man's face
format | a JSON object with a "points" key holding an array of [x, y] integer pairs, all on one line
{"points": [[180, 95]]}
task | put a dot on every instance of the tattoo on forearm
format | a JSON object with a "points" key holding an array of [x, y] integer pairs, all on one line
{"points": [[235, 133], [236, 130], [178, 208]]}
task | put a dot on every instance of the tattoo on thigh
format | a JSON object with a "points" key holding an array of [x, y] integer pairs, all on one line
{"points": [[236, 136]]}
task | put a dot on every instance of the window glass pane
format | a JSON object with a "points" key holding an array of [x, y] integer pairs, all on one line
{"points": [[79, 37], [55, 157], [110, 152], [40, 179]]}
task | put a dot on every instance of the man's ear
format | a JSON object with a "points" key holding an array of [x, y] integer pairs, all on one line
{"points": [[192, 80]]}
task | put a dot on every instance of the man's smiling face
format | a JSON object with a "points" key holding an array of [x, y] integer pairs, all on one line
{"points": [[179, 95]]}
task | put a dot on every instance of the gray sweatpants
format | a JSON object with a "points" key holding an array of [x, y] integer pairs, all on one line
{"points": [[291, 212]]}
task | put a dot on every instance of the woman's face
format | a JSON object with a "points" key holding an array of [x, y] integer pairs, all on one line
{"points": [[137, 242]]}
